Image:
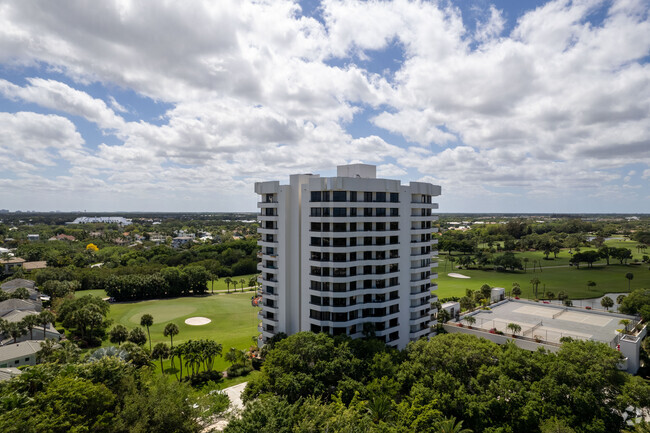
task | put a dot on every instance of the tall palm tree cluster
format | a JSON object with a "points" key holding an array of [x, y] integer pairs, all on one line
{"points": [[15, 330], [195, 355]]}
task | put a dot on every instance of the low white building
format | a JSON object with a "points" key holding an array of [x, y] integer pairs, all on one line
{"points": [[497, 294], [547, 325], [452, 308]]}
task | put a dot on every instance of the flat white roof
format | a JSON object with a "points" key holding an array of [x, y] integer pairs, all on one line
{"points": [[552, 322]]}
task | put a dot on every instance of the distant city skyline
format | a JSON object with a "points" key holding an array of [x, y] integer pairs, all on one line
{"points": [[510, 106]]}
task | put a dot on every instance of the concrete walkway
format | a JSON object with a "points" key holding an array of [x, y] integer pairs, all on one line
{"points": [[234, 394]]}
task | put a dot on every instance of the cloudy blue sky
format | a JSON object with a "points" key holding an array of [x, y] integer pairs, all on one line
{"points": [[511, 106]]}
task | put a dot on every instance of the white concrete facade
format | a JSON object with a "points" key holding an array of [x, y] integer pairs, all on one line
{"points": [[347, 253]]}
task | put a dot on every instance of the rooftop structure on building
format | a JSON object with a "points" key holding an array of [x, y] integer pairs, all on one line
{"points": [[350, 254], [545, 325]]}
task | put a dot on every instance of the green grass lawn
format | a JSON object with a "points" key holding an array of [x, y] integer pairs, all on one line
{"points": [[234, 320], [100, 293], [221, 285], [555, 274], [567, 279]]}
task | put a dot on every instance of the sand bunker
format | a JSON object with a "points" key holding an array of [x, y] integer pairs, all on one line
{"points": [[454, 275], [197, 321]]}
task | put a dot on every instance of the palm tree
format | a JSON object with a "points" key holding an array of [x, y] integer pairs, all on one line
{"points": [[380, 407], [449, 425], [629, 277], [118, 334], [607, 302], [550, 296], [470, 320], [178, 351], [147, 320], [161, 351], [228, 280], [47, 350], [242, 282], [215, 278], [252, 282], [170, 330], [15, 330], [46, 317], [535, 282], [516, 289], [514, 328], [29, 323], [525, 260], [624, 322]]}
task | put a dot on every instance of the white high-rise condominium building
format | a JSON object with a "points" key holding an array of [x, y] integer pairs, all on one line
{"points": [[350, 254]]}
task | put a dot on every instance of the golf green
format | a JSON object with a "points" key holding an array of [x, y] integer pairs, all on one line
{"points": [[233, 319]]}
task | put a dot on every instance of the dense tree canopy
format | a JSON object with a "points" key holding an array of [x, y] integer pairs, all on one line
{"points": [[318, 383], [107, 395]]}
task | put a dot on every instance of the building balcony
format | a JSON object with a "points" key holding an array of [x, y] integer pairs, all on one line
{"points": [[268, 268], [353, 219], [355, 234], [418, 280], [270, 283], [357, 321], [349, 264], [358, 306], [419, 334], [420, 256], [420, 205], [265, 231], [269, 244], [267, 204], [421, 268], [350, 249], [421, 307], [418, 320], [419, 295], [264, 218], [424, 218]]}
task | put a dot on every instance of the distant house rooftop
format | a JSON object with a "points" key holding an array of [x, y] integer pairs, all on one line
{"points": [[62, 237], [19, 350], [12, 285], [8, 372], [30, 266], [18, 304], [11, 261], [88, 220]]}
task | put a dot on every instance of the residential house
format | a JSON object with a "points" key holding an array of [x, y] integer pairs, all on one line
{"points": [[23, 353], [30, 266], [8, 372], [37, 333], [12, 285], [62, 237], [9, 265], [179, 241], [19, 304]]}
